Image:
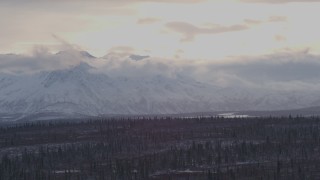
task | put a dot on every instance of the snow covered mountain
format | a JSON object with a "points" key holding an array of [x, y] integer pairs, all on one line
{"points": [[76, 90], [81, 90]]}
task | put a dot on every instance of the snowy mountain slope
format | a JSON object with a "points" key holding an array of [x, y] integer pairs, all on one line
{"points": [[76, 90], [81, 90]]}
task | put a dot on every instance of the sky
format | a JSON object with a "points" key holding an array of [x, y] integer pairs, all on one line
{"points": [[262, 47], [176, 29]]}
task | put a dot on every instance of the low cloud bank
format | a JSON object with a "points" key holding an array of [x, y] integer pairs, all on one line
{"points": [[290, 71]]}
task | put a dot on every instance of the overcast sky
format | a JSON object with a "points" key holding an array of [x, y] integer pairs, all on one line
{"points": [[182, 29]]}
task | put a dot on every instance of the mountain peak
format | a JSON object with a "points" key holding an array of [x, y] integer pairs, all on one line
{"points": [[86, 54], [82, 66]]}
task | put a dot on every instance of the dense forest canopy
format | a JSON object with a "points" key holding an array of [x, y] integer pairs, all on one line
{"points": [[162, 148]]}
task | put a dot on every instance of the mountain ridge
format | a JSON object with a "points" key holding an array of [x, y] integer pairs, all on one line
{"points": [[81, 89]]}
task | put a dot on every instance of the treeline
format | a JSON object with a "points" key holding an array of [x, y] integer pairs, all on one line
{"points": [[163, 148]]}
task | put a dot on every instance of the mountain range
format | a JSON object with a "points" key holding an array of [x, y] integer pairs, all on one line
{"points": [[79, 90]]}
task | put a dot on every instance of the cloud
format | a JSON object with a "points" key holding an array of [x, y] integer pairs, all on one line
{"points": [[22, 64], [253, 21], [280, 38], [42, 60], [166, 1], [271, 19], [278, 1], [112, 3], [283, 71], [277, 19], [122, 49], [178, 53], [189, 31], [289, 67], [147, 20], [30, 27], [277, 68], [64, 44], [119, 52]]}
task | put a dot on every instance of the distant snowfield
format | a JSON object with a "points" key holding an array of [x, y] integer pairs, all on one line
{"points": [[138, 86], [233, 115]]}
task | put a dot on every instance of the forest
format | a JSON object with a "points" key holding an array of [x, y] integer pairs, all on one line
{"points": [[168, 148]]}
